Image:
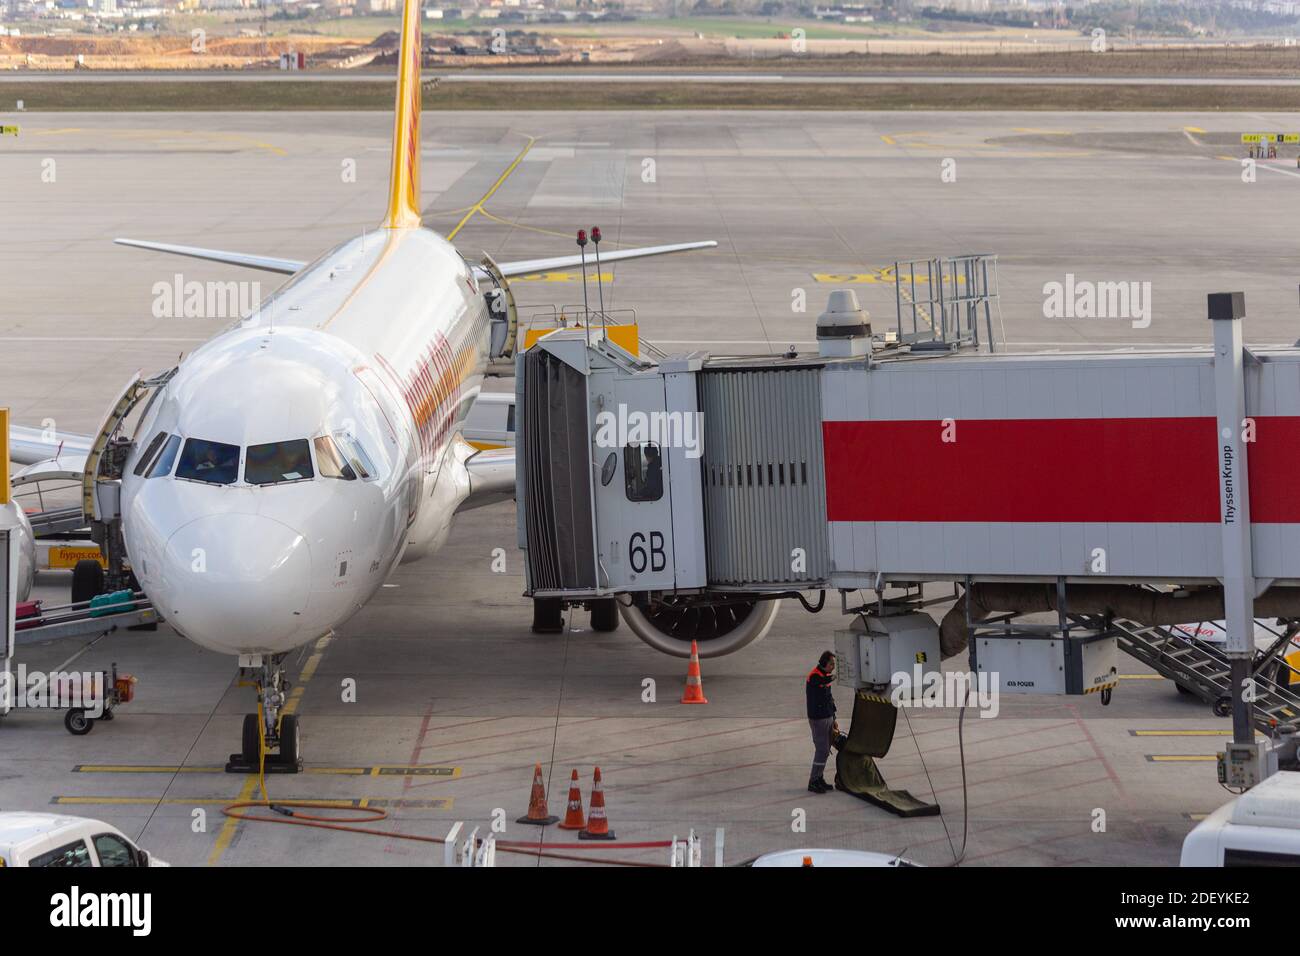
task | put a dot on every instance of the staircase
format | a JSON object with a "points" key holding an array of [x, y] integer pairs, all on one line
{"points": [[1201, 668]]}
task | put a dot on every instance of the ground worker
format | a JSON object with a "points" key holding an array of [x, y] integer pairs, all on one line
{"points": [[821, 718]]}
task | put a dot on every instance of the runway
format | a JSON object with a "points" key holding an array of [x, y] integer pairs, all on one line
{"points": [[456, 698], [551, 75]]}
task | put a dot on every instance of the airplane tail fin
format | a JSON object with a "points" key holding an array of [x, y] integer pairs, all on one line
{"points": [[404, 182]]}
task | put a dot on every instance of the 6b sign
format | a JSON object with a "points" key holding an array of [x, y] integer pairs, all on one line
{"points": [[647, 551]]}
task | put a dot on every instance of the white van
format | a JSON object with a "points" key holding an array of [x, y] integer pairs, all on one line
{"points": [[48, 839], [1259, 828]]}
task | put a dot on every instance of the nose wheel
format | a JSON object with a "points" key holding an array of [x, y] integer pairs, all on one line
{"points": [[271, 740]]}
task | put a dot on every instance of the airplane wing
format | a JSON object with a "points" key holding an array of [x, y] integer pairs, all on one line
{"points": [[491, 478], [28, 445], [508, 269], [265, 263], [531, 266]]}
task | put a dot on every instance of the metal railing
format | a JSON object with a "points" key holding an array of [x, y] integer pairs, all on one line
{"points": [[579, 316], [940, 301]]}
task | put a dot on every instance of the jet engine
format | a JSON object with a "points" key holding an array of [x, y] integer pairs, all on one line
{"points": [[719, 624]]}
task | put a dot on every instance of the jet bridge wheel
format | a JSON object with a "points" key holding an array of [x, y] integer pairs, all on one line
{"points": [[548, 616], [604, 614], [669, 624]]}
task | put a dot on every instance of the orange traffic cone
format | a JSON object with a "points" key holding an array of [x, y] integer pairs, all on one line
{"points": [[694, 692], [573, 819], [597, 823], [538, 815]]}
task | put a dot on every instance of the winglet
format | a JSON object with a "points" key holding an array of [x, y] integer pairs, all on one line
{"points": [[404, 182]]}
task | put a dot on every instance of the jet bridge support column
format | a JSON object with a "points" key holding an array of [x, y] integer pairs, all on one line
{"points": [[1226, 310]]}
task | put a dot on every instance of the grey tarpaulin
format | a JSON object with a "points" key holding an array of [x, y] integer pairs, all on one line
{"points": [[870, 734]]}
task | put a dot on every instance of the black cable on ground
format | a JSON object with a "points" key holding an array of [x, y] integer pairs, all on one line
{"points": [[957, 856]]}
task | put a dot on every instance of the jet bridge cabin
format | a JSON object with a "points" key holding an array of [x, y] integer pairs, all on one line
{"points": [[1114, 484], [681, 479], [1122, 494], [773, 474]]}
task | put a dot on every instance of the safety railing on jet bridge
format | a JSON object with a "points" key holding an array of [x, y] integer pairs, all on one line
{"points": [[548, 318], [944, 300]]}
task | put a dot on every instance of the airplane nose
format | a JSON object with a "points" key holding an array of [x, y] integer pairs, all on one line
{"points": [[237, 583]]}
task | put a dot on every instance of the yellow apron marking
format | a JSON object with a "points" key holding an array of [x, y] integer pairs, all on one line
{"points": [[1181, 733], [160, 134], [537, 229], [520, 225], [1181, 758], [308, 672], [563, 277], [256, 144], [478, 206], [246, 792], [883, 275]]}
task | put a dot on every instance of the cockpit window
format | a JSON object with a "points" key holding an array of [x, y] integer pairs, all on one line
{"points": [[209, 461], [330, 462], [278, 461], [147, 457], [355, 454], [163, 466]]}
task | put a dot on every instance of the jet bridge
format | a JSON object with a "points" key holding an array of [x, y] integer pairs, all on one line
{"points": [[1148, 488]]}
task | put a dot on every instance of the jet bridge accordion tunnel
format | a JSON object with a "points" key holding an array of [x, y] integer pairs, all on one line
{"points": [[1151, 487]]}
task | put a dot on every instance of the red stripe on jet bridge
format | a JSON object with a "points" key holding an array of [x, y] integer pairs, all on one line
{"points": [[1274, 460], [1139, 470]]}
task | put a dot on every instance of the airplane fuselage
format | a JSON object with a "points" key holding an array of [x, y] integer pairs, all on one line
{"points": [[316, 445]]}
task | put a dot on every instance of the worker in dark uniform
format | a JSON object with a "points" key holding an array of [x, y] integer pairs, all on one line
{"points": [[654, 473], [821, 718]]}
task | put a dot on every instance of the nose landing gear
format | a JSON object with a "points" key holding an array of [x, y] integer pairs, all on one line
{"points": [[270, 728]]}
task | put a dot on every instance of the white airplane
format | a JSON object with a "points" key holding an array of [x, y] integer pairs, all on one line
{"points": [[288, 464]]}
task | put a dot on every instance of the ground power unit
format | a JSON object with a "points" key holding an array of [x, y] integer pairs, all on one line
{"points": [[1026, 664]]}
